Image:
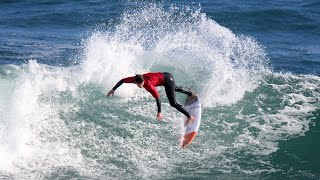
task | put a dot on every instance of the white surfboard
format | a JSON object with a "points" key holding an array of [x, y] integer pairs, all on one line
{"points": [[193, 106]]}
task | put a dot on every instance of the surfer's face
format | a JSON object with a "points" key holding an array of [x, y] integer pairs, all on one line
{"points": [[140, 85]]}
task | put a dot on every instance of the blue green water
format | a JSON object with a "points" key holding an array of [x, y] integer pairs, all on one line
{"points": [[255, 66]]}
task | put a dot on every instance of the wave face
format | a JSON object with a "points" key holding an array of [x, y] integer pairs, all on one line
{"points": [[57, 122]]}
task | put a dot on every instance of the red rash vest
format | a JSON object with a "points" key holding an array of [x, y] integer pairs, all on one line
{"points": [[151, 80]]}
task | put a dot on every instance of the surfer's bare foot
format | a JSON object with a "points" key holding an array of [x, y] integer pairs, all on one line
{"points": [[193, 95], [189, 120]]}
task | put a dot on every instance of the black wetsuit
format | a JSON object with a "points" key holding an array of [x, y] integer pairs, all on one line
{"points": [[170, 88]]}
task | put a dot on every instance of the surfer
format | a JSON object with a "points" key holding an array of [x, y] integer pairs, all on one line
{"points": [[149, 81]]}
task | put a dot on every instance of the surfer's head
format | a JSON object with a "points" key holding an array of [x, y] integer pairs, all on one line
{"points": [[138, 80]]}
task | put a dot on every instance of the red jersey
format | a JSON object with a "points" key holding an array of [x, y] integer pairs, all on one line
{"points": [[151, 80]]}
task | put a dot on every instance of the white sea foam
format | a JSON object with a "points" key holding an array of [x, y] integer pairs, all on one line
{"points": [[288, 119], [34, 138]]}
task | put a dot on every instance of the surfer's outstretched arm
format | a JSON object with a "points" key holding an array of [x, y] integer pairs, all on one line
{"points": [[111, 92], [125, 80], [118, 85]]}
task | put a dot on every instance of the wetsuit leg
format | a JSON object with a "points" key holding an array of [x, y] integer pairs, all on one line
{"points": [[184, 91], [170, 88]]}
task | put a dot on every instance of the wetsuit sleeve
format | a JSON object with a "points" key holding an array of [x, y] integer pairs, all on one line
{"points": [[153, 91], [125, 80], [158, 105], [118, 84], [128, 80], [156, 95]]}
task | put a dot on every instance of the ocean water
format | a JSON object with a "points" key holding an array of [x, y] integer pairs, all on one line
{"points": [[255, 66]]}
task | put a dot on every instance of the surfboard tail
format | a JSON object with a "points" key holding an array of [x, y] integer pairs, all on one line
{"points": [[187, 139]]}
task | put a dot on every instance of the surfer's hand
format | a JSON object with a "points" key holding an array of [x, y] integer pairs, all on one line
{"points": [[110, 93], [159, 116]]}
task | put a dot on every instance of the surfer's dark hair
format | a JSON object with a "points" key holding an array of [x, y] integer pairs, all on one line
{"points": [[138, 78]]}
